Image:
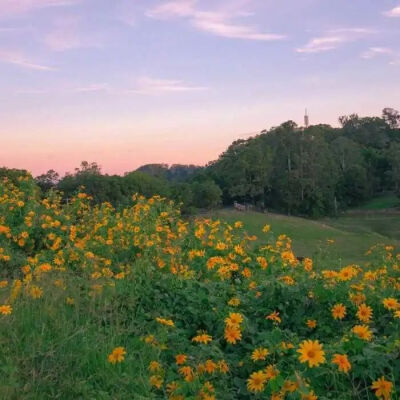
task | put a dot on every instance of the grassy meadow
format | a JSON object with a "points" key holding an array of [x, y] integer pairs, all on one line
{"points": [[339, 241], [139, 303]]}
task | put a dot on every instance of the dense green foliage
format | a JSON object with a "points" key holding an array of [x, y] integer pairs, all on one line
{"points": [[314, 171], [172, 182]]}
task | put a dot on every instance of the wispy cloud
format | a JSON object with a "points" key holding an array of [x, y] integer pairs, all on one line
{"points": [[151, 86], [234, 31], [390, 54], [320, 44], [373, 52], [16, 58], [90, 88], [66, 35], [173, 9], [219, 23], [143, 86], [393, 13], [333, 39], [96, 87], [10, 7]]}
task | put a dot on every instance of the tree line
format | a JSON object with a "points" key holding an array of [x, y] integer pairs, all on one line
{"points": [[312, 171], [181, 183]]}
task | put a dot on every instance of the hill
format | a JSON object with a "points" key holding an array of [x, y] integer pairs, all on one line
{"points": [[352, 235]]}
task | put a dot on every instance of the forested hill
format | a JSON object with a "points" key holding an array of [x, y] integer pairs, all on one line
{"points": [[310, 172], [313, 171]]}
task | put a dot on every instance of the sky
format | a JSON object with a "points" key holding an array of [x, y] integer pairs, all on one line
{"points": [[130, 82]]}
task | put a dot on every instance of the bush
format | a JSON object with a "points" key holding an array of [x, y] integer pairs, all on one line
{"points": [[142, 304]]}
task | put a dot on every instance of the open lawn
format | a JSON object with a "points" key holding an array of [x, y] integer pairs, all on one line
{"points": [[382, 202], [353, 235]]}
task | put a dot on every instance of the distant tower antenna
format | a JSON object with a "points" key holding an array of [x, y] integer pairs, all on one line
{"points": [[306, 120]]}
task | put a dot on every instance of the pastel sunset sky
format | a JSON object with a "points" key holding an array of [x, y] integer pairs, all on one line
{"points": [[129, 82]]}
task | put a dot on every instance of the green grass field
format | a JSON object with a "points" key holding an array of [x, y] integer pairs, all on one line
{"points": [[353, 235], [382, 202]]}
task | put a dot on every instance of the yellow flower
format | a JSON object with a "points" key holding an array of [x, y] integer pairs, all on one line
{"points": [[3, 283], [263, 262], [391, 303], [221, 246], [311, 323], [45, 267], [180, 359], [234, 319], [167, 322], [187, 372], [259, 354], [223, 366], [309, 396], [363, 332], [347, 273], [286, 346], [156, 381], [256, 382], [289, 386], [210, 366], [338, 311], [274, 316], [5, 309], [382, 388], [239, 250], [234, 301], [246, 272], [70, 300], [308, 264], [271, 372], [364, 313], [342, 362], [202, 338], [172, 387], [154, 366], [311, 351], [117, 355], [266, 228], [232, 334], [357, 298], [36, 292]]}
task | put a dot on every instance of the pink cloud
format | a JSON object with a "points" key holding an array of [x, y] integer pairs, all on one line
{"points": [[376, 51], [393, 13], [10, 7], [17, 58], [320, 44], [66, 35], [333, 39], [148, 85], [173, 9], [219, 23]]}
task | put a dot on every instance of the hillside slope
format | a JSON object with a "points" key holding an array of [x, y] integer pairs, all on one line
{"points": [[352, 235]]}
